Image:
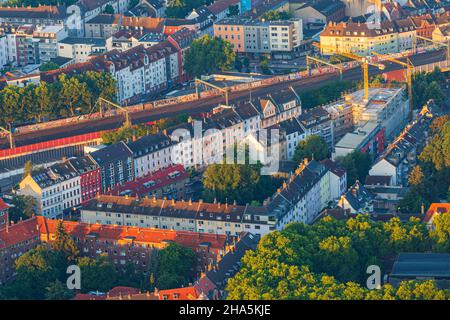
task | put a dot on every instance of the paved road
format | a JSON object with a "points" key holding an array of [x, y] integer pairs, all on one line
{"points": [[206, 104]]}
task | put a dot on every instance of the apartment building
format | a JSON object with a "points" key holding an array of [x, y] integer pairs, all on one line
{"points": [[116, 164], [4, 208], [151, 153], [90, 179], [300, 199], [15, 240], [55, 189], [317, 121], [102, 26], [213, 218], [123, 244], [401, 155], [360, 38], [251, 36], [171, 182], [81, 49]]}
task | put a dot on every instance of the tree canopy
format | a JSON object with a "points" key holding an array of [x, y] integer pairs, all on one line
{"points": [[209, 54], [313, 146], [357, 164], [429, 180], [328, 260], [68, 96]]}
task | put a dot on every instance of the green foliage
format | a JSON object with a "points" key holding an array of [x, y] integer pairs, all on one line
{"points": [[274, 15], [430, 179], [313, 146], [27, 168], [181, 8], [64, 243], [325, 94], [209, 54], [357, 165], [22, 208], [172, 267], [237, 182], [426, 86], [109, 9], [68, 96], [97, 274], [47, 66], [56, 290], [233, 10], [328, 260]]}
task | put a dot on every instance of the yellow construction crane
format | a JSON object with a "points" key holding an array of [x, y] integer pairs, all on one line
{"points": [[224, 90], [438, 43], [409, 72], [10, 134], [364, 64], [338, 67], [125, 111]]}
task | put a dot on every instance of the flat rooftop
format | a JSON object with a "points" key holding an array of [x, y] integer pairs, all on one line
{"points": [[378, 97], [422, 265], [354, 139]]}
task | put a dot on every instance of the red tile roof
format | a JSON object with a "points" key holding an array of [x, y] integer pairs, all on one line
{"points": [[188, 293], [135, 234], [17, 233], [221, 5], [160, 177], [117, 291], [436, 208], [3, 205]]}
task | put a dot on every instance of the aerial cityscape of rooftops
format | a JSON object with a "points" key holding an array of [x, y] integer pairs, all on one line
{"points": [[224, 150]]}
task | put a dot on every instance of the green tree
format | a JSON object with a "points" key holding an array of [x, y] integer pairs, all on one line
{"points": [[233, 11], [48, 66], [64, 243], [109, 9], [357, 164], [209, 54], [98, 274], [56, 290], [176, 266], [274, 15], [313, 146], [23, 207], [27, 169]]}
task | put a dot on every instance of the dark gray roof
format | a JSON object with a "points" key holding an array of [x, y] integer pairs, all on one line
{"points": [[291, 126], [230, 263], [83, 164], [422, 265], [93, 41], [149, 144], [102, 19], [112, 152], [358, 196]]}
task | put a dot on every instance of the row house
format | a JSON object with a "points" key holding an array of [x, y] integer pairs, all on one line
{"points": [[278, 106], [121, 244], [55, 189], [338, 178], [90, 9], [116, 165], [90, 179], [359, 38], [126, 244], [15, 240], [401, 155], [300, 199], [151, 153], [202, 217], [171, 182], [42, 16], [317, 121]]}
